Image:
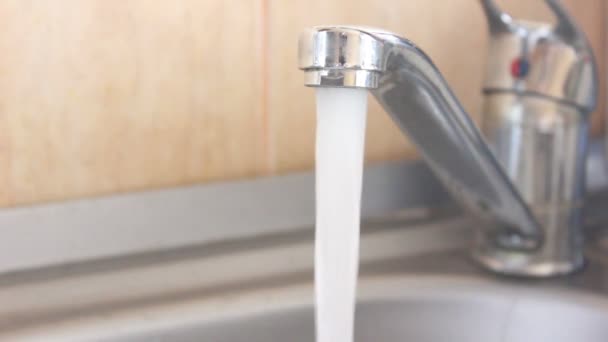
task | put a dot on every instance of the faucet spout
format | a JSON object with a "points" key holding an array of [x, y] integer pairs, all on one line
{"points": [[414, 93]]}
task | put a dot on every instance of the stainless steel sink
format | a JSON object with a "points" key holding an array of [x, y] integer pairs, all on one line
{"points": [[411, 308], [416, 284]]}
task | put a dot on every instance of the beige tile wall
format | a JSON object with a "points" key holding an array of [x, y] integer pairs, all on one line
{"points": [[102, 96], [105, 96]]}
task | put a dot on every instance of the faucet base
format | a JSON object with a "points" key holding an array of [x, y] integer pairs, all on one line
{"points": [[526, 264]]}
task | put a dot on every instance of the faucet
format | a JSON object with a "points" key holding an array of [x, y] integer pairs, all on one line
{"points": [[524, 180]]}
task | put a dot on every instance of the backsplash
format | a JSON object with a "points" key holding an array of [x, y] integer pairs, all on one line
{"points": [[107, 96]]}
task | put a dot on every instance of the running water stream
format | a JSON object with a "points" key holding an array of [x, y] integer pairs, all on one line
{"points": [[341, 120]]}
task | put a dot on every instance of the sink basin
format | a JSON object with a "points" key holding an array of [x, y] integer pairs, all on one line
{"points": [[416, 284], [401, 308]]}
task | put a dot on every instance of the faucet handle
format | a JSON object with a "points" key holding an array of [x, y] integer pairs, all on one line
{"points": [[532, 58], [566, 27], [498, 20]]}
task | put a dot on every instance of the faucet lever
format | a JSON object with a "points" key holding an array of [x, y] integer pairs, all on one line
{"points": [[565, 28], [498, 21]]}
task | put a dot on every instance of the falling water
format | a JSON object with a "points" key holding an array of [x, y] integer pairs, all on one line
{"points": [[341, 120]]}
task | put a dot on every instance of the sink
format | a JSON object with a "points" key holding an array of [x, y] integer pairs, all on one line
{"points": [[405, 308], [416, 284]]}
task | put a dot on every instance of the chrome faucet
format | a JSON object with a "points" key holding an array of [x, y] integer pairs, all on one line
{"points": [[525, 182]]}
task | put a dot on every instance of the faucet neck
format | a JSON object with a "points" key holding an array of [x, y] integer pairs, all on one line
{"points": [[414, 93]]}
